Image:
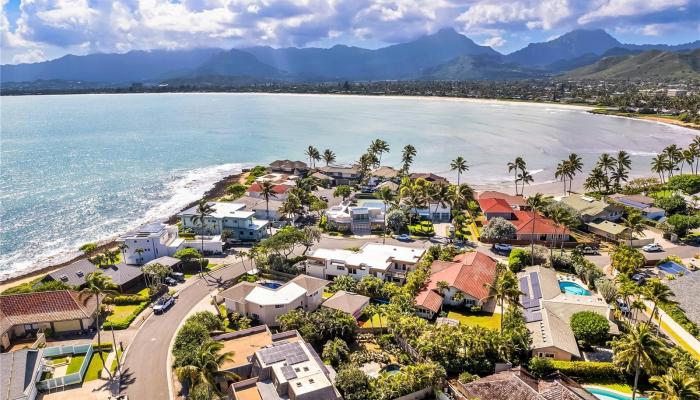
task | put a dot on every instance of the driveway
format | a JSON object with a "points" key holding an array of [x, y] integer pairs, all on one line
{"points": [[144, 368], [659, 239]]}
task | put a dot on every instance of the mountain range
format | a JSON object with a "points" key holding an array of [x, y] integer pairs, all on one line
{"points": [[444, 55]]}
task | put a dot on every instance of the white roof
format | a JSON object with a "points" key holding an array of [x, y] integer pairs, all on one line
{"points": [[223, 210], [374, 255], [267, 297]]}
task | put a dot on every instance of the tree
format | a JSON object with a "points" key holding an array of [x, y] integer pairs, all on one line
{"points": [[590, 327], [318, 206], [343, 191], [236, 190], [123, 247], [443, 287], [88, 248], [207, 319], [378, 147], [344, 282], [267, 192], [188, 256], [634, 224], [575, 165], [675, 384], [535, 203], [540, 367], [459, 164], [606, 288], [353, 384], [205, 368], [562, 172], [139, 251], [624, 165], [517, 165], [313, 155], [328, 156], [386, 196], [638, 349], [659, 165], [518, 259], [606, 163], [335, 352], [155, 273], [626, 260], [407, 155], [563, 217], [526, 179], [659, 294], [98, 285], [505, 291], [498, 230], [204, 209], [310, 235], [396, 220]]}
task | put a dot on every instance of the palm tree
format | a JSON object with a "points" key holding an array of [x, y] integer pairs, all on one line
{"points": [[140, 252], [370, 311], [123, 247], [313, 155], [674, 155], [379, 147], [459, 164], [689, 158], [205, 367], [535, 203], [658, 294], [204, 209], [386, 196], [634, 223], [99, 285], [562, 217], [439, 193], [596, 180], [524, 177], [267, 191], [659, 166], [607, 163], [562, 172], [443, 287], [676, 384], [505, 290], [407, 155], [575, 165], [328, 156], [636, 350], [516, 165]]}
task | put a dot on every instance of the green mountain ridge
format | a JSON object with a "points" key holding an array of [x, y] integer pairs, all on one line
{"points": [[653, 64]]}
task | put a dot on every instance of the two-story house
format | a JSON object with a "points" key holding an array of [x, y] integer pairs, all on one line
{"points": [[341, 175], [230, 217]]}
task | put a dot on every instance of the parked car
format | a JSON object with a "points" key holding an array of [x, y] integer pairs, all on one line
{"points": [[503, 247], [163, 304], [652, 247], [623, 306], [403, 237], [170, 281], [178, 276], [589, 250], [639, 278]]}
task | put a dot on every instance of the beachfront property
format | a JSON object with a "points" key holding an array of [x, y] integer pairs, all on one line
{"points": [[468, 273], [347, 302], [548, 302], [515, 202], [75, 274], [341, 175], [644, 204], [278, 178], [265, 301], [298, 168], [428, 176], [384, 261], [544, 228], [19, 372], [359, 220], [22, 316], [152, 241], [280, 191], [435, 212], [232, 217], [261, 208], [589, 209], [276, 366]]}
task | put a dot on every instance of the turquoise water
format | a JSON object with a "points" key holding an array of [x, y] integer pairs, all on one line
{"points": [[370, 203], [82, 168], [573, 288], [603, 394]]}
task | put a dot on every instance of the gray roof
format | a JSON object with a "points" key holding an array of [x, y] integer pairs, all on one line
{"points": [[608, 227], [76, 272], [165, 260], [686, 289], [587, 205], [346, 301], [252, 203], [17, 371]]}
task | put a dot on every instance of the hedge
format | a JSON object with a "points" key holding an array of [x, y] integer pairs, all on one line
{"points": [[679, 316], [124, 324], [125, 300], [587, 370]]}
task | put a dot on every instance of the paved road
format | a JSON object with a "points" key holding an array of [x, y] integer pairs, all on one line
{"points": [[145, 375]]}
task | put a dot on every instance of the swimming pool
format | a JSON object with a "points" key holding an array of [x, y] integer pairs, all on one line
{"points": [[604, 394], [391, 369], [271, 285], [370, 203], [573, 288], [671, 267]]}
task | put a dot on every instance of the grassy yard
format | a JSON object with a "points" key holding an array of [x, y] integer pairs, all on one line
{"points": [[486, 320], [58, 360], [121, 313], [75, 362], [96, 366], [327, 295], [377, 321]]}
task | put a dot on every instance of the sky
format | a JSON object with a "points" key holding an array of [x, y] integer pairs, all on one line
{"points": [[37, 30]]}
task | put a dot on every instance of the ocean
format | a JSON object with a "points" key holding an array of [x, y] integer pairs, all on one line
{"points": [[82, 168]]}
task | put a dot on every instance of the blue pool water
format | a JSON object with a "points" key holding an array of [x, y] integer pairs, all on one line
{"points": [[370, 203], [573, 288], [671, 267], [391, 369], [603, 394], [271, 285]]}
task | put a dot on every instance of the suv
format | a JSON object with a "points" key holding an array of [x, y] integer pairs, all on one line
{"points": [[503, 247], [589, 251], [163, 304], [178, 276]]}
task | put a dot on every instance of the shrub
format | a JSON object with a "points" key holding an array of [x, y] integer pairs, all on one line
{"points": [[678, 315], [236, 190], [124, 300], [681, 224], [353, 384], [674, 204], [335, 352], [606, 288], [124, 324], [208, 319], [588, 371], [690, 184], [518, 259], [188, 339], [498, 230], [466, 377], [31, 287], [540, 366], [590, 327]]}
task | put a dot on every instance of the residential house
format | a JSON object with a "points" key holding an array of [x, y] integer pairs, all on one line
{"points": [[341, 175], [19, 372], [608, 230], [347, 302], [518, 384], [468, 273], [261, 208], [644, 204], [323, 179], [393, 186], [267, 301], [436, 212], [75, 274], [289, 167], [281, 192], [516, 202], [544, 228], [387, 262], [548, 310], [23, 315], [278, 178], [152, 241], [287, 369], [230, 217], [244, 343], [171, 262], [358, 220], [590, 209], [428, 176], [383, 174], [493, 207]]}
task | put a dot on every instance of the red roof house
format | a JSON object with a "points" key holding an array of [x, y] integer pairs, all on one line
{"points": [[469, 273], [493, 207], [280, 191], [545, 228], [515, 202]]}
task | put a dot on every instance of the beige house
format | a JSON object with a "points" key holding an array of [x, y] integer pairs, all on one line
{"points": [[23, 315], [347, 302], [609, 230], [591, 209], [268, 300]]}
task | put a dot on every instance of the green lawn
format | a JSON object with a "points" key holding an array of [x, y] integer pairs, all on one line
{"points": [[377, 321], [327, 295], [96, 366], [58, 360], [121, 313], [486, 320], [75, 362]]}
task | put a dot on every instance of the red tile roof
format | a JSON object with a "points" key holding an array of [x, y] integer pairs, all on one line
{"points": [[493, 205], [512, 200], [256, 187], [468, 272], [523, 224], [61, 305]]}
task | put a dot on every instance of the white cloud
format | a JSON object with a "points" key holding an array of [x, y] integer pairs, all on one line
{"points": [[620, 8], [534, 14], [495, 41]]}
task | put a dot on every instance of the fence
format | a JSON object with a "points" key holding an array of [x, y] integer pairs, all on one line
{"points": [[69, 379]]}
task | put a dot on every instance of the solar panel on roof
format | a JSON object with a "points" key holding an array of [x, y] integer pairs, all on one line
{"points": [[533, 315], [288, 372], [535, 282], [524, 287]]}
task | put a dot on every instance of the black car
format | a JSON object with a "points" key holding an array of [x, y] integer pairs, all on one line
{"points": [[639, 278], [170, 281]]}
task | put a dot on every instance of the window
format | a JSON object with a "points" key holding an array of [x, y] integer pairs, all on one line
{"points": [[352, 271], [278, 305]]}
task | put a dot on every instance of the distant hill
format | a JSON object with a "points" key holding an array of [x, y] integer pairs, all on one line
{"points": [[653, 64], [569, 46], [479, 67], [236, 63]]}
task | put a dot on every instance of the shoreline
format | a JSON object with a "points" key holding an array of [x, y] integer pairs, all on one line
{"points": [[217, 190]]}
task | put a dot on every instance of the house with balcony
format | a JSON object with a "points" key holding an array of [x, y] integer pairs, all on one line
{"points": [[156, 240], [590, 209], [289, 167], [387, 262], [641, 203], [357, 220], [341, 175], [231, 217]]}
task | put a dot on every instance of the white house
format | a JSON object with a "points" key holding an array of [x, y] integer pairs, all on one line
{"points": [[152, 241], [387, 262], [268, 300], [358, 220], [436, 212], [231, 217]]}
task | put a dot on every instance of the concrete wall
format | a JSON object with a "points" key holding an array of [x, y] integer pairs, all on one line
{"points": [[66, 326], [559, 354]]}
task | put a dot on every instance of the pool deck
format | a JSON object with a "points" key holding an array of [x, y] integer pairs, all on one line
{"points": [[616, 392]]}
